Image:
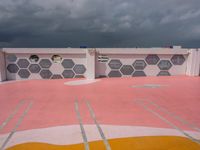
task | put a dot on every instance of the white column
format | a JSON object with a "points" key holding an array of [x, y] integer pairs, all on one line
{"points": [[2, 66], [90, 61], [193, 63]]}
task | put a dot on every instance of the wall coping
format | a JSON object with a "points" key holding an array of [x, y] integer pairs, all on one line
{"points": [[44, 50], [98, 50]]}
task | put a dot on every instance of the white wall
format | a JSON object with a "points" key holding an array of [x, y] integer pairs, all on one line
{"points": [[193, 63], [88, 59], [55, 68], [129, 56], [2, 66]]}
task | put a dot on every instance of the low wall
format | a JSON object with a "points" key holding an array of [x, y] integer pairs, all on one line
{"points": [[56, 63], [142, 62], [2, 66]]}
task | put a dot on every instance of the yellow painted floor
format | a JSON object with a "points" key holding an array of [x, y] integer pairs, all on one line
{"points": [[135, 143]]}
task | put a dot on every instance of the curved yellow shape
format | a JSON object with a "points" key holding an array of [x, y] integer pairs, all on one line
{"points": [[134, 143]]}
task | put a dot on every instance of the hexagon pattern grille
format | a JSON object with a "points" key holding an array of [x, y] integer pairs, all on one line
{"points": [[114, 74], [23, 68], [11, 58], [56, 76], [127, 70], [23, 63], [79, 76], [24, 73], [12, 68], [139, 74], [163, 73], [164, 65], [68, 74], [34, 68], [79, 69], [68, 63], [42, 67], [46, 74], [178, 59], [115, 64], [139, 64], [152, 59], [45, 63]]}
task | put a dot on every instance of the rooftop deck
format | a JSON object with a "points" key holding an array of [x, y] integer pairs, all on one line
{"points": [[112, 113]]}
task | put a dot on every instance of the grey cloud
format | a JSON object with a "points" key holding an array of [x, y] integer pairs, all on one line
{"points": [[99, 23]]}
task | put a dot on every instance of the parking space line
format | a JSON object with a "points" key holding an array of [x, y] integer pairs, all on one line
{"points": [[167, 121], [191, 125], [16, 126], [106, 143], [81, 126], [16, 109]]}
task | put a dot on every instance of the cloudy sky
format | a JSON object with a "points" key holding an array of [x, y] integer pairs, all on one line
{"points": [[99, 23]]}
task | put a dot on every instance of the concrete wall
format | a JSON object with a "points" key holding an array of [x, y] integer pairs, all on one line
{"points": [[2, 66], [193, 63], [20, 66], [15, 63], [141, 62]]}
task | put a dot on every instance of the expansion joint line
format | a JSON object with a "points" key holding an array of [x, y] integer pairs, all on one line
{"points": [[16, 109], [167, 121], [16, 126], [86, 145], [92, 114]]}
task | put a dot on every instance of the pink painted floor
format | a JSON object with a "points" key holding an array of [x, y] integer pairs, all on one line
{"points": [[113, 101]]}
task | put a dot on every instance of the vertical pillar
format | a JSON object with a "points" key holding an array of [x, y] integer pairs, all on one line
{"points": [[2, 66], [193, 63], [90, 60]]}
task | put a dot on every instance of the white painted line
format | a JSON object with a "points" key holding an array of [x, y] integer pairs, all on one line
{"points": [[181, 120], [81, 82], [106, 143], [16, 126], [81, 126], [12, 114], [167, 121]]}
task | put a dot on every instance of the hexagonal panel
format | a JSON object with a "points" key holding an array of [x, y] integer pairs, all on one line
{"points": [[12, 68], [139, 64], [164, 65], [45, 63], [115, 64], [56, 76], [68, 74], [127, 70], [68, 63], [23, 63], [178, 59], [152, 59], [139, 74], [24, 73], [11, 57], [79, 69], [163, 73], [114, 74], [46, 74], [34, 68], [79, 76]]}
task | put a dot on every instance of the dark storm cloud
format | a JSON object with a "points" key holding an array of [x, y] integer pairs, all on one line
{"points": [[99, 23]]}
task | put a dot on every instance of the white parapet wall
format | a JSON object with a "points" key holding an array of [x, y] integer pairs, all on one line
{"points": [[2, 66], [124, 62], [58, 63], [193, 63]]}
